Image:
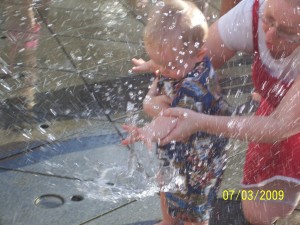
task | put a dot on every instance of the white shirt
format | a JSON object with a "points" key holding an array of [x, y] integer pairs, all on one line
{"points": [[235, 29]]}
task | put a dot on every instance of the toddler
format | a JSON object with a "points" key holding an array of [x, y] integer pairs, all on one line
{"points": [[191, 170]]}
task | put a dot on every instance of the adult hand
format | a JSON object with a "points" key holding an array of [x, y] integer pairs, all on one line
{"points": [[187, 123]]}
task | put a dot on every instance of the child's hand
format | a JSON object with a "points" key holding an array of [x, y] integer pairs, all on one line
{"points": [[137, 134], [134, 134], [141, 66], [152, 132]]}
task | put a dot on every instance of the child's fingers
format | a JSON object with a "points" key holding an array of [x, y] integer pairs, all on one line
{"points": [[148, 144], [125, 142], [129, 140], [134, 134], [139, 65], [131, 129], [137, 62], [128, 128]]}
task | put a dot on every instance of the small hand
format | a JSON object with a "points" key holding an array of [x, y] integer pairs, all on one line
{"points": [[133, 134], [141, 66], [138, 134], [152, 132]]}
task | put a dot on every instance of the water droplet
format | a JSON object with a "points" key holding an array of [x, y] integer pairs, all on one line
{"points": [[130, 106], [51, 137], [5, 85], [123, 14], [100, 61], [108, 54], [5, 70], [26, 135], [53, 112], [171, 27], [43, 131]]}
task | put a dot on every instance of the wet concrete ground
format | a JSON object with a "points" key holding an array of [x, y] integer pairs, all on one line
{"points": [[65, 88]]}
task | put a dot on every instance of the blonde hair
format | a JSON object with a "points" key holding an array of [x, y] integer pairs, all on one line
{"points": [[174, 22]]}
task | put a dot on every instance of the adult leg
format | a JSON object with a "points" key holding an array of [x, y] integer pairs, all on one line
{"points": [[265, 212]]}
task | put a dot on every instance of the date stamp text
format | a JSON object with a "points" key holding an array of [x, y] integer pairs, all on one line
{"points": [[252, 195]]}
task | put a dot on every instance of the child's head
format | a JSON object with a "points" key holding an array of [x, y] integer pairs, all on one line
{"points": [[174, 37]]}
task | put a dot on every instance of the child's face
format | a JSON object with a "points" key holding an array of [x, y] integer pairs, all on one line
{"points": [[172, 62]]}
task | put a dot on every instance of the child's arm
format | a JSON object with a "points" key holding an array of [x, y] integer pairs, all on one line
{"points": [[155, 102]]}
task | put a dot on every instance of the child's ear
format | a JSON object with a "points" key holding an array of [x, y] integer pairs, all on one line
{"points": [[201, 53]]}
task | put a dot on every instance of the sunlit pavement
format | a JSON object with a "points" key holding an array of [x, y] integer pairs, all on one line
{"points": [[65, 89]]}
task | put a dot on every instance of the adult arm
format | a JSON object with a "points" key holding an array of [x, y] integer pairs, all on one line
{"points": [[282, 123], [230, 33], [216, 48], [226, 5]]}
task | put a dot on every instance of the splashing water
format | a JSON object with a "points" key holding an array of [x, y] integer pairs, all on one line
{"points": [[135, 180]]}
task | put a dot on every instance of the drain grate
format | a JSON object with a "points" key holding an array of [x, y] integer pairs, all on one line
{"points": [[49, 201], [77, 198]]}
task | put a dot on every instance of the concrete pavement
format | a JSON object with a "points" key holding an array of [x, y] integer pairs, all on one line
{"points": [[65, 88]]}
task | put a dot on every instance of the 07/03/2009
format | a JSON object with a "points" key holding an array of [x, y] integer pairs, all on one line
{"points": [[252, 195]]}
